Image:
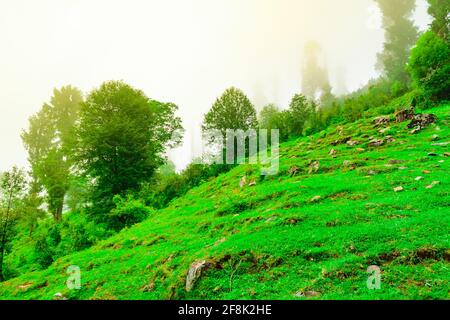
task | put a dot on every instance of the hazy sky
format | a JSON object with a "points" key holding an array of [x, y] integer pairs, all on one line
{"points": [[183, 51]]}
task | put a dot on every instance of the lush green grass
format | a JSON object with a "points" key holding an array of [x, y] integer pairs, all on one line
{"points": [[271, 241]]}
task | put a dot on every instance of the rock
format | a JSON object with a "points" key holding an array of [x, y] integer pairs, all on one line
{"points": [[314, 167], [404, 115], [243, 182], [148, 287], [332, 152], [360, 149], [307, 294], [371, 173], [273, 218], [315, 199], [389, 139], [434, 183], [421, 121], [399, 189], [419, 178], [346, 163], [380, 121], [195, 271], [293, 171], [426, 171], [393, 161], [59, 296], [446, 154], [352, 143], [341, 141], [376, 143], [220, 241], [440, 144], [402, 168], [252, 183]]}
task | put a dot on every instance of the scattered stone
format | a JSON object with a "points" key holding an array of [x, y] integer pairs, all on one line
{"points": [[393, 161], [434, 183], [341, 141], [293, 171], [315, 199], [440, 144], [352, 143], [25, 286], [243, 182], [426, 171], [273, 218], [252, 183], [419, 178], [195, 272], [389, 139], [220, 241], [399, 189], [402, 168], [314, 167], [376, 143], [59, 296], [446, 154], [421, 121], [371, 173], [404, 115], [307, 294], [346, 163], [380, 121], [332, 152], [360, 149], [148, 287]]}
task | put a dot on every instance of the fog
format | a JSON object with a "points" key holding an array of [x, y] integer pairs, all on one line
{"points": [[183, 51]]}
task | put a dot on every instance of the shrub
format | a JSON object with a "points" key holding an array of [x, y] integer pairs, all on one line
{"points": [[128, 211], [429, 66]]}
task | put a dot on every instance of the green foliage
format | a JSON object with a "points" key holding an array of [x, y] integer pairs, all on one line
{"points": [[12, 186], [122, 139], [299, 112], [429, 66], [49, 141], [270, 117], [128, 211], [440, 11], [233, 110]]}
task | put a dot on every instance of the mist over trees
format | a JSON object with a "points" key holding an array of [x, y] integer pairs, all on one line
{"points": [[400, 35], [49, 141], [315, 79]]}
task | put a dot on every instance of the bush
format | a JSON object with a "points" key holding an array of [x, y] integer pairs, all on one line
{"points": [[128, 211], [429, 66]]}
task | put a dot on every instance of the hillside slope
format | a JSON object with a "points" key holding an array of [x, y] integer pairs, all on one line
{"points": [[310, 232]]}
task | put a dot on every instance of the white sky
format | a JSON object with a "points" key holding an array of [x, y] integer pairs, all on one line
{"points": [[183, 51]]}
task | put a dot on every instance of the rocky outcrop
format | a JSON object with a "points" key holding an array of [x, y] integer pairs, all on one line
{"points": [[195, 271]]}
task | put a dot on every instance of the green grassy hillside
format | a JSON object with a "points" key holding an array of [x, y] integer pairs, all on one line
{"points": [[308, 233]]}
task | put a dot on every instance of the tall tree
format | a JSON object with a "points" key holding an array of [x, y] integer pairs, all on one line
{"points": [[233, 110], [122, 137], [440, 11], [400, 37], [49, 141], [12, 185], [300, 110]]}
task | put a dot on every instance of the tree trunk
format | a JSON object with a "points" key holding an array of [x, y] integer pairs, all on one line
{"points": [[2, 252]]}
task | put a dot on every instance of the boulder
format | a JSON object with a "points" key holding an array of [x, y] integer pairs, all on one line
{"points": [[421, 121], [404, 115], [380, 121], [195, 271]]}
